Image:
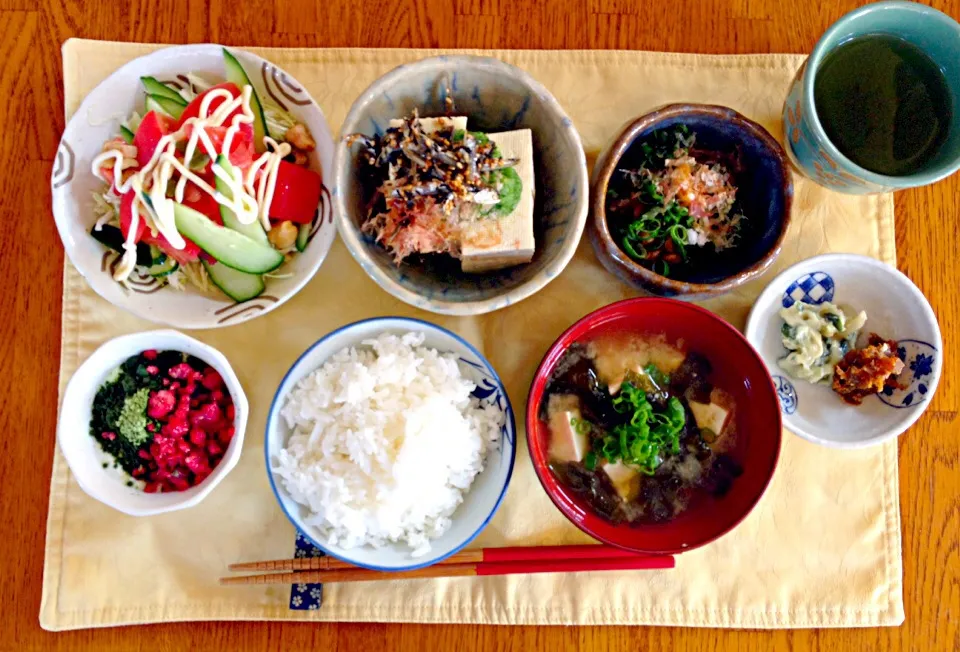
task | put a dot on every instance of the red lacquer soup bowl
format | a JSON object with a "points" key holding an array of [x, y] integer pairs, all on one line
{"points": [[736, 368]]}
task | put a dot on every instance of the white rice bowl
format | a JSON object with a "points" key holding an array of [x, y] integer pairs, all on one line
{"points": [[385, 441]]}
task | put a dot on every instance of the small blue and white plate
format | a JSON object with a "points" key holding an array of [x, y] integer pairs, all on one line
{"points": [[896, 310], [486, 493]]}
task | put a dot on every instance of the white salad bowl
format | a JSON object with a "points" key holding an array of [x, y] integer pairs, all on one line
{"points": [[896, 310], [480, 502], [73, 185], [495, 96], [83, 453]]}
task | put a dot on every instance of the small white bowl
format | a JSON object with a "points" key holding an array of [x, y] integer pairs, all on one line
{"points": [[489, 487], [896, 310], [84, 455], [73, 184], [496, 97]]}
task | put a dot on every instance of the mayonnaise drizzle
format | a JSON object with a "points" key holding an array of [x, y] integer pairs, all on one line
{"points": [[251, 197]]}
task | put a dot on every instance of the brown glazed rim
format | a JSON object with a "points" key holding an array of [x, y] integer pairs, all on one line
{"points": [[616, 151]]}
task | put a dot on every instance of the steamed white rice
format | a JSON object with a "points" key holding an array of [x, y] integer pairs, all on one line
{"points": [[386, 441]]}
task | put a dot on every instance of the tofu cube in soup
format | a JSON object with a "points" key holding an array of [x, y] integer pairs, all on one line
{"points": [[625, 480], [713, 415], [566, 444], [505, 240]]}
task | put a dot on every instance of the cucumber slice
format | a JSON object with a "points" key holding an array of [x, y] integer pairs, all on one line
{"points": [[165, 106], [237, 75], [229, 247], [303, 236], [254, 230], [126, 134], [112, 237], [239, 286], [155, 88], [163, 266]]}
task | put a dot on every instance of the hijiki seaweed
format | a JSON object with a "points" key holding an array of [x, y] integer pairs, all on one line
{"points": [[424, 181]]}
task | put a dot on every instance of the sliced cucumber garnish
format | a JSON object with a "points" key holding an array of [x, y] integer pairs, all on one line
{"points": [[229, 247], [303, 236], [126, 134], [237, 285], [112, 237], [163, 266], [155, 88], [165, 106], [237, 75], [254, 230]]}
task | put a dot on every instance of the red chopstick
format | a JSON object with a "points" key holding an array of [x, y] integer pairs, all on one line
{"points": [[475, 556], [478, 569]]}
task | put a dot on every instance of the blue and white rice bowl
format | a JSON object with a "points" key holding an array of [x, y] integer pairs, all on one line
{"points": [[484, 496], [495, 96], [896, 310]]}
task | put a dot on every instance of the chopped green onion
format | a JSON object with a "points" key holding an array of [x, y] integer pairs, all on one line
{"points": [[590, 461]]}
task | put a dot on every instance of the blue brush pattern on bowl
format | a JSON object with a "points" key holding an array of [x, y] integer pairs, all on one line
{"points": [[496, 97], [896, 309]]}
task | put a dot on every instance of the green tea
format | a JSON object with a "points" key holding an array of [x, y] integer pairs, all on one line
{"points": [[884, 103]]}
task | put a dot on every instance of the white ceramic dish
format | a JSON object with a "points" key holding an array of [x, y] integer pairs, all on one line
{"points": [[489, 487], [84, 455], [496, 97], [895, 308], [98, 119]]}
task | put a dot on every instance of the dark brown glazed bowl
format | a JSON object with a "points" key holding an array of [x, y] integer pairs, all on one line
{"points": [[764, 189]]}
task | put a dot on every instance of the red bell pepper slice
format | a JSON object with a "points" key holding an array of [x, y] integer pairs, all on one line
{"points": [[152, 128], [296, 195]]}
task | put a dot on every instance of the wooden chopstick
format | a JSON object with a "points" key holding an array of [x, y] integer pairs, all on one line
{"points": [[478, 569], [515, 553]]}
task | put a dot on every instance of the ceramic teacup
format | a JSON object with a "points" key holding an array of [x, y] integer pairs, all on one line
{"points": [[808, 146]]}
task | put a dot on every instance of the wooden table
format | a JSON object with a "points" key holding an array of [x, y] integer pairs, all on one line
{"points": [[31, 113]]}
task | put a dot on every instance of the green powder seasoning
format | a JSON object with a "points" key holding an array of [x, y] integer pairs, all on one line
{"points": [[132, 422]]}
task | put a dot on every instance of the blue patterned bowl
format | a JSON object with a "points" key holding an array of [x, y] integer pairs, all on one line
{"points": [[486, 493], [497, 97], [896, 309]]}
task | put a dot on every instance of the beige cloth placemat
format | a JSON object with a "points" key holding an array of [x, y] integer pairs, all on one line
{"points": [[821, 549]]}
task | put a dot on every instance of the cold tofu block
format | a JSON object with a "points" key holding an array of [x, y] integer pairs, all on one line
{"points": [[709, 415], [431, 125], [566, 444], [502, 241], [625, 479]]}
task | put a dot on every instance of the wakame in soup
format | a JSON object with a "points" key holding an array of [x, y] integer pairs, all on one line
{"points": [[637, 428]]}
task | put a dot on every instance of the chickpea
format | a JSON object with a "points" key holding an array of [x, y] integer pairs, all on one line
{"points": [[283, 235], [299, 157], [300, 138]]}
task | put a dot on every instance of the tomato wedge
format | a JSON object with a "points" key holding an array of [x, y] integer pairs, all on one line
{"points": [[189, 254], [126, 216], [241, 145], [202, 202], [296, 195], [152, 128], [193, 109]]}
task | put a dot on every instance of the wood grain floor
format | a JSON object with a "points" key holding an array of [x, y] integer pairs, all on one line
{"points": [[31, 113]]}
